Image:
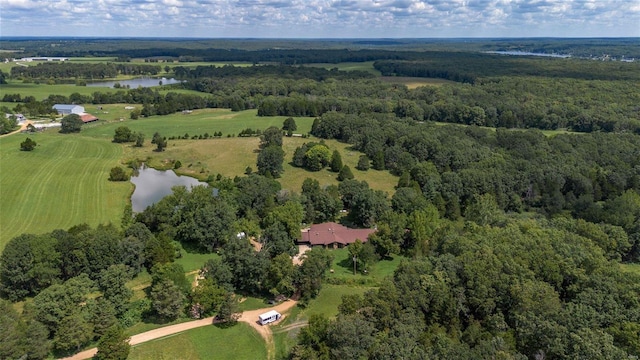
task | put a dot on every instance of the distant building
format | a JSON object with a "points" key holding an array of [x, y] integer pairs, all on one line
{"points": [[333, 235], [30, 59], [87, 118], [64, 109], [19, 117]]}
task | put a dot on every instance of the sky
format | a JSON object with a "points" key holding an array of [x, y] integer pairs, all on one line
{"points": [[321, 18]]}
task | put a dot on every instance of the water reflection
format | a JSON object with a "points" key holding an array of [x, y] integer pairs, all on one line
{"points": [[152, 185]]}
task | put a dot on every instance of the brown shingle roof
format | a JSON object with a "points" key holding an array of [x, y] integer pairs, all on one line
{"points": [[330, 233]]}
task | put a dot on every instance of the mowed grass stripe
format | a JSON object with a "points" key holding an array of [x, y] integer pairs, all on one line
{"points": [[63, 182], [31, 201]]}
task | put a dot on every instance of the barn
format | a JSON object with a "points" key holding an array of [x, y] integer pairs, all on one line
{"points": [[64, 109]]}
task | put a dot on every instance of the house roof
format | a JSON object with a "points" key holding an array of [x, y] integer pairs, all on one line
{"points": [[65, 106], [88, 118], [330, 233]]}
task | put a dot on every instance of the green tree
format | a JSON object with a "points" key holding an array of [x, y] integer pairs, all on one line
{"points": [[167, 300], [280, 276], [289, 124], [383, 242], [113, 345], [378, 160], [122, 135], [73, 332], [345, 174], [207, 297], [71, 123], [272, 136], [270, 161], [28, 145], [317, 157], [138, 137], [229, 312], [354, 252], [113, 284], [336, 161], [135, 114], [363, 163], [159, 141]]}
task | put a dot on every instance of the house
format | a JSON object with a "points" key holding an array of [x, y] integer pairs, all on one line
{"points": [[333, 235], [64, 109], [269, 317]]}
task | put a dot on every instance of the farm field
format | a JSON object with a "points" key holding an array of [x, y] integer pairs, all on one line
{"points": [[209, 342], [348, 66], [67, 174], [63, 182]]}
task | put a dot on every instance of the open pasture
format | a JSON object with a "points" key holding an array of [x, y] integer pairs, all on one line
{"points": [[198, 122], [348, 66], [238, 342], [63, 182]]}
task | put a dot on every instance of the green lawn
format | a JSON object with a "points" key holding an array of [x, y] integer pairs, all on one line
{"points": [[343, 269], [63, 182], [194, 261], [206, 343]]}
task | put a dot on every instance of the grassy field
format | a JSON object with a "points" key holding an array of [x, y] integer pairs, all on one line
{"points": [[228, 156], [210, 342], [63, 182]]}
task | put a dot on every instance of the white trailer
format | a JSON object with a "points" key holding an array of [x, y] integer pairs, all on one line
{"points": [[269, 317]]}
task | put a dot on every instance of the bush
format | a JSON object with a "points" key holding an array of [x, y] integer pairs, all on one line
{"points": [[118, 174], [28, 145]]}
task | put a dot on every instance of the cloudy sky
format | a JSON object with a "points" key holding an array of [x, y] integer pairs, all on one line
{"points": [[321, 18]]}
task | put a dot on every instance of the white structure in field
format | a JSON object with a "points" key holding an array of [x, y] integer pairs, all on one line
{"points": [[269, 317], [64, 109]]}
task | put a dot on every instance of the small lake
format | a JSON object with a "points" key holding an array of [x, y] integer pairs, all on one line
{"points": [[134, 83], [525, 53], [152, 185]]}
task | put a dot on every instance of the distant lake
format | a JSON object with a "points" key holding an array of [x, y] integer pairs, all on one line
{"points": [[152, 185], [134, 83], [525, 53]]}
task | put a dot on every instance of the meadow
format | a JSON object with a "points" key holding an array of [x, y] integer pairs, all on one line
{"points": [[62, 183]]}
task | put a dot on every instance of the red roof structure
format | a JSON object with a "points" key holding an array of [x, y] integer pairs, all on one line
{"points": [[88, 118], [333, 234]]}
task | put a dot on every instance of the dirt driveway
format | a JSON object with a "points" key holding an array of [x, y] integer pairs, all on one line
{"points": [[249, 317]]}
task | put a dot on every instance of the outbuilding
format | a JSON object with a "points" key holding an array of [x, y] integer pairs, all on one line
{"points": [[64, 109], [269, 317]]}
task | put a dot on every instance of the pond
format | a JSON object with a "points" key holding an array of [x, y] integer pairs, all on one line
{"points": [[526, 53], [134, 83], [152, 185]]}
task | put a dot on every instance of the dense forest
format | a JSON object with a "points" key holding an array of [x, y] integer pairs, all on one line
{"points": [[514, 241]]}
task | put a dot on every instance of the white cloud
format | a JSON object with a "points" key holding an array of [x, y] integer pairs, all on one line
{"points": [[323, 18]]}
